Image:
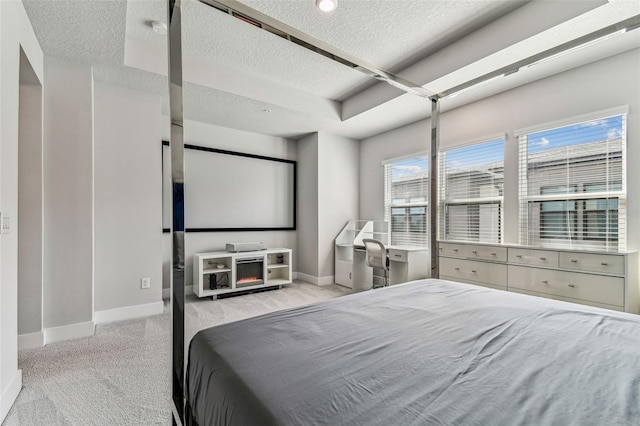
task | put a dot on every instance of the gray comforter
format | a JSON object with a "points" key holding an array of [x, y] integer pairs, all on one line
{"points": [[430, 352]]}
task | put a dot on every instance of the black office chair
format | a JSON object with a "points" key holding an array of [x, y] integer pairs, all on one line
{"points": [[376, 257]]}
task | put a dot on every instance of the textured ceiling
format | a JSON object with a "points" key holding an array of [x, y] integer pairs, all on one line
{"points": [[386, 32], [294, 84]]}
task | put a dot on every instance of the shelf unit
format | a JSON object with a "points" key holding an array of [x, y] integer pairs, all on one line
{"points": [[276, 271]]}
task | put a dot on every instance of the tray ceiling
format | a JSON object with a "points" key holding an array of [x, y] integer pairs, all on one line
{"points": [[243, 77]]}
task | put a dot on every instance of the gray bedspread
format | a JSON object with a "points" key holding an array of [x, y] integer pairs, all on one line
{"points": [[430, 352]]}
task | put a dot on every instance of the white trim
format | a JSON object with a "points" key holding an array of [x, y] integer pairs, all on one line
{"points": [[475, 141], [166, 292], [319, 281], [31, 340], [68, 332], [10, 394], [404, 157], [129, 312], [328, 280], [577, 119]]}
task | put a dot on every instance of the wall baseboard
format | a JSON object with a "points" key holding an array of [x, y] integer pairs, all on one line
{"points": [[129, 312], [10, 394], [31, 340], [320, 281], [166, 292], [69, 332]]}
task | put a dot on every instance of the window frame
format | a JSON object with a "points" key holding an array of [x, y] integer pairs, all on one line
{"points": [[407, 236], [445, 228], [613, 238]]}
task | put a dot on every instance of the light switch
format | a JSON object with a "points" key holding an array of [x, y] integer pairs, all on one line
{"points": [[5, 223]]}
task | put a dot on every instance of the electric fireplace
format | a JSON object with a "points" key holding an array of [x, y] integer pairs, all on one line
{"points": [[249, 271]]}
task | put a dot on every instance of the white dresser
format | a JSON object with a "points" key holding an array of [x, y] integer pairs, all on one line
{"points": [[604, 279]]}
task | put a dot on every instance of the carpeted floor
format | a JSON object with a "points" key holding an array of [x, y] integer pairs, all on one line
{"points": [[120, 376]]}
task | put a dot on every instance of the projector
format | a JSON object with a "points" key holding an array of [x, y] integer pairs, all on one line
{"points": [[238, 247]]}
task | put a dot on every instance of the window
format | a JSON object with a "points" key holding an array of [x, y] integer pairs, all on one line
{"points": [[600, 215], [558, 219], [406, 186], [572, 184], [471, 192]]}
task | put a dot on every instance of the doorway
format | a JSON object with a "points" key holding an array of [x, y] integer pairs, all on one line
{"points": [[30, 208]]}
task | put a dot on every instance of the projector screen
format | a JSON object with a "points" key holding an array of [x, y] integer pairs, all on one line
{"points": [[232, 191]]}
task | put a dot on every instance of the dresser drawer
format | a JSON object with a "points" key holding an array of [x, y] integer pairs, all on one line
{"points": [[450, 249], [472, 271], [398, 255], [592, 262], [533, 257], [471, 251], [498, 254], [594, 288]]}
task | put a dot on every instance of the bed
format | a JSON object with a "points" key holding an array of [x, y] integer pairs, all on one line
{"points": [[429, 352]]}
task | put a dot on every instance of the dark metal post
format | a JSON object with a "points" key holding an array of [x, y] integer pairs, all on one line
{"points": [[174, 39], [433, 187]]}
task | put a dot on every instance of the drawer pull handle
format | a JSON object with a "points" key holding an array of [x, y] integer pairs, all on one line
{"points": [[473, 270], [604, 264], [474, 252], [439, 248], [397, 255], [543, 258], [456, 250], [574, 260], [519, 256], [456, 268], [571, 285], [545, 282], [493, 254]]}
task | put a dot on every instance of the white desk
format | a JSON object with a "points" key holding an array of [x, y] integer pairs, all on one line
{"points": [[406, 263]]}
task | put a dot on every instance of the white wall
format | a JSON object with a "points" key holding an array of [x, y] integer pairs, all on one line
{"points": [[128, 198], [234, 140], [68, 189], [328, 199], [308, 205], [338, 181], [604, 84], [15, 32]]}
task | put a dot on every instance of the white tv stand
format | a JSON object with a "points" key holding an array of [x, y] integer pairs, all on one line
{"points": [[276, 270]]}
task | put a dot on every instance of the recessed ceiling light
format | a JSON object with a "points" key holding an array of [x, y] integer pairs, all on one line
{"points": [[327, 5], [159, 27]]}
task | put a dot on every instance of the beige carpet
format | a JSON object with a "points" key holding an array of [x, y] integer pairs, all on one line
{"points": [[120, 376]]}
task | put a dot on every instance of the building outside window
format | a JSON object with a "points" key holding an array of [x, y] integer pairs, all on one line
{"points": [[406, 186], [471, 192], [573, 185]]}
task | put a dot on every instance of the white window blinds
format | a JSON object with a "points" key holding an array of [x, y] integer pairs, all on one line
{"points": [[406, 187], [573, 185], [471, 181]]}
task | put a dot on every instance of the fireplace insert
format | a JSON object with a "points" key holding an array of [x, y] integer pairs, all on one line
{"points": [[249, 271]]}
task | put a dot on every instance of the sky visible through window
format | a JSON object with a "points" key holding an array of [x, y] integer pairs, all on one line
{"points": [[408, 167], [591, 131], [475, 155], [493, 151]]}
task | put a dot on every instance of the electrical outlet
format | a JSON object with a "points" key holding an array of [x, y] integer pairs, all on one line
{"points": [[145, 282]]}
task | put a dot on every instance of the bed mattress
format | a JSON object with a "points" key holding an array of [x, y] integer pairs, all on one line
{"points": [[430, 352]]}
